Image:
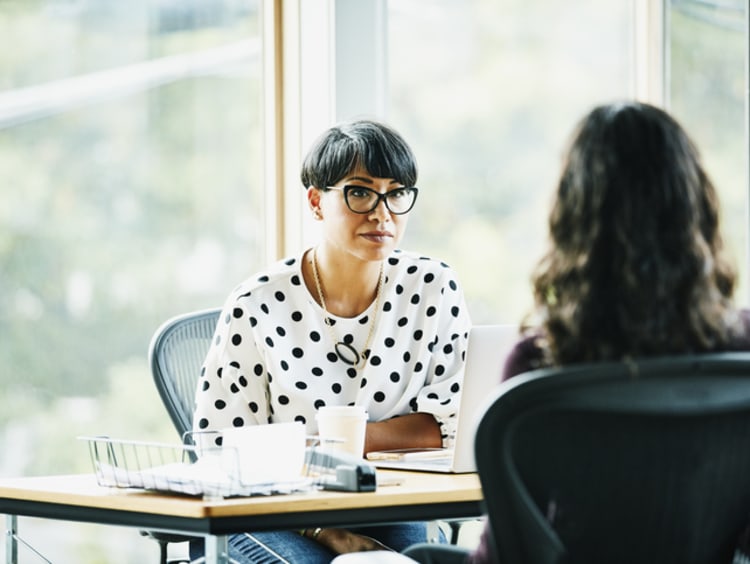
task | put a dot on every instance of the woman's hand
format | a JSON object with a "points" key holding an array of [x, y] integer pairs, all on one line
{"points": [[341, 541]]}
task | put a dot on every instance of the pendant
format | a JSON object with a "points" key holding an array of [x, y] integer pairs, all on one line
{"points": [[346, 353]]}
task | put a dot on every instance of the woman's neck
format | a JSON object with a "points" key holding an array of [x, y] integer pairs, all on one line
{"points": [[349, 286]]}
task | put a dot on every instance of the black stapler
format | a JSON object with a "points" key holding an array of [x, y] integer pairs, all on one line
{"points": [[341, 471]]}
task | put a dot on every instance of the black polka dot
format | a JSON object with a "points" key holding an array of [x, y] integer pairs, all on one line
{"points": [[319, 403], [234, 389], [258, 369], [296, 281], [253, 321], [379, 397], [363, 383], [418, 335], [455, 311], [399, 289], [389, 342], [297, 352], [236, 339], [279, 296], [448, 349], [351, 372], [412, 269], [439, 370], [237, 312], [300, 385], [418, 367], [206, 385], [402, 322], [415, 299], [284, 365], [243, 381], [336, 388], [387, 306], [453, 285], [264, 308], [300, 419], [283, 400], [203, 423], [332, 357], [238, 422], [317, 371], [220, 404], [297, 316], [314, 336], [280, 331], [253, 406], [395, 377], [375, 360], [455, 387], [432, 395], [429, 277], [263, 278], [431, 311]]}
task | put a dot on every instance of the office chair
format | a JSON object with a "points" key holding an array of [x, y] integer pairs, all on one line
{"points": [[643, 461], [176, 353]]}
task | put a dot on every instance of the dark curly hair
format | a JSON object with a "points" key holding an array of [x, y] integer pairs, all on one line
{"points": [[636, 265]]}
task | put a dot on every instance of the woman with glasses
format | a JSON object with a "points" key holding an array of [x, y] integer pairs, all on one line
{"points": [[351, 321]]}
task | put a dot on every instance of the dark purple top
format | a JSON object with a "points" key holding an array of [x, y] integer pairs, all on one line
{"points": [[525, 356]]}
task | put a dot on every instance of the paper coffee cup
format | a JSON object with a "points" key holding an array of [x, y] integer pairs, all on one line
{"points": [[342, 428]]}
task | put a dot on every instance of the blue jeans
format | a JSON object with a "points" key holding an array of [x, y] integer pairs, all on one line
{"points": [[280, 547]]}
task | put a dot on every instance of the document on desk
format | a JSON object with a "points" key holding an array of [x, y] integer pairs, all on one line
{"points": [[203, 477], [411, 454]]}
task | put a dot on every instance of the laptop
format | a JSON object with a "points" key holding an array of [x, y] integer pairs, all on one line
{"points": [[487, 348]]}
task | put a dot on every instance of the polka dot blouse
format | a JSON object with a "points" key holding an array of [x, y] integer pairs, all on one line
{"points": [[273, 360]]}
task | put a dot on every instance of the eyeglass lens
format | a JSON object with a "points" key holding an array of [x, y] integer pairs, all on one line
{"points": [[364, 200]]}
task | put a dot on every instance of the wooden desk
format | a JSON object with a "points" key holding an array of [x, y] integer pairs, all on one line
{"points": [[418, 496]]}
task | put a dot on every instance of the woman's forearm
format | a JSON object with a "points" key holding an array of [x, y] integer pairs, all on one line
{"points": [[416, 430]]}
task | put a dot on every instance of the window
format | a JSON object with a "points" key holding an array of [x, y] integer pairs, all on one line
{"points": [[487, 93], [707, 87], [130, 171]]}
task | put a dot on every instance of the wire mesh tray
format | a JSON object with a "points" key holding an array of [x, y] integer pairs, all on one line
{"points": [[178, 468]]}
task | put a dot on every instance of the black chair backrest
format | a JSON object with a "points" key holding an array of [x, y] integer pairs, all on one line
{"points": [[177, 351], [637, 462]]}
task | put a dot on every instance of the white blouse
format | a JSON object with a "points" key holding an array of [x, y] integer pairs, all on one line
{"points": [[273, 360]]}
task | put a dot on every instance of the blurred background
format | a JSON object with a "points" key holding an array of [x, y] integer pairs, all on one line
{"points": [[134, 158]]}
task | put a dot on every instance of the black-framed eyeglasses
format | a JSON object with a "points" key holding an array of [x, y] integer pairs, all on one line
{"points": [[363, 200]]}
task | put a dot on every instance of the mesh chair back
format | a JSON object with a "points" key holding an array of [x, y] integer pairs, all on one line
{"points": [[177, 351], [625, 462]]}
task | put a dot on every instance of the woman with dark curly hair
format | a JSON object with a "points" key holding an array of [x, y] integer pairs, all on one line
{"points": [[636, 266]]}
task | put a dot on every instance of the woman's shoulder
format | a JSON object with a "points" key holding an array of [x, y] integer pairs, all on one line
{"points": [[740, 336], [282, 275], [526, 355], [411, 263]]}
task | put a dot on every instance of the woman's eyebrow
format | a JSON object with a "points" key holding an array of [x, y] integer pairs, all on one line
{"points": [[368, 180], [360, 179]]}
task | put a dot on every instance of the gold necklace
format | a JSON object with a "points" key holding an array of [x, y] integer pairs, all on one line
{"points": [[345, 351]]}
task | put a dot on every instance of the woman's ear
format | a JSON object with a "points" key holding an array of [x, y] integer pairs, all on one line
{"points": [[313, 199]]}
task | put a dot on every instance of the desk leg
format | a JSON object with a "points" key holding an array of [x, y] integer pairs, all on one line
{"points": [[11, 539], [217, 549]]}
